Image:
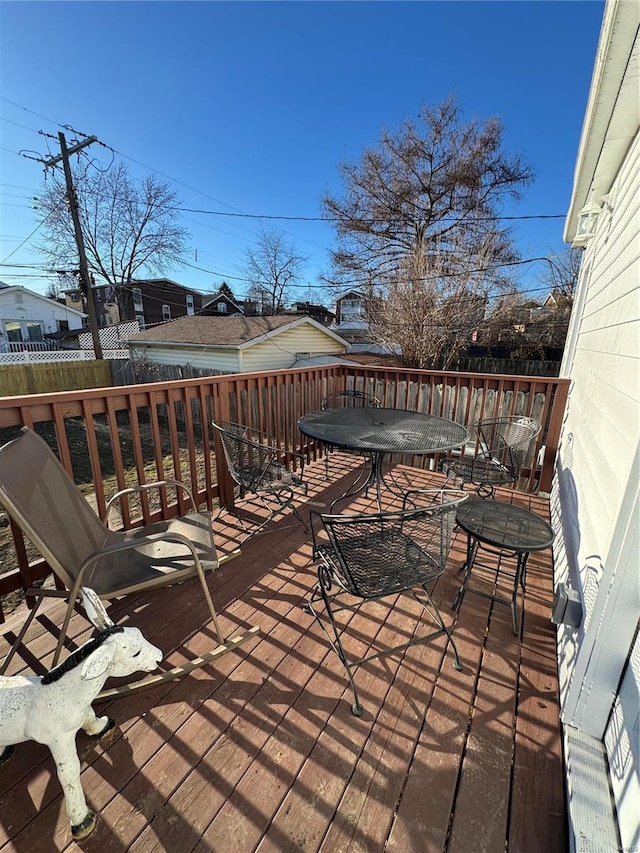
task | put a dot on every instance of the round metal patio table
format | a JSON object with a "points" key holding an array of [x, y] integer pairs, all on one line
{"points": [[506, 528], [377, 433]]}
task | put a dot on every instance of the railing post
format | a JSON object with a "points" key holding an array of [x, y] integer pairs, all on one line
{"points": [[221, 412], [553, 436]]}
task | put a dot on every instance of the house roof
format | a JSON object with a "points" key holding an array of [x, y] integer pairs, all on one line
{"points": [[207, 299], [33, 294], [611, 120], [139, 281], [232, 332]]}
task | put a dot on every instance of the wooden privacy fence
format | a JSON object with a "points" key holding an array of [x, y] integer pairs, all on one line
{"points": [[110, 438], [53, 376]]}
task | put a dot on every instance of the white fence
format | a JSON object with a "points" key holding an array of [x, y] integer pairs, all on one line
{"points": [[30, 346], [111, 337], [59, 355]]}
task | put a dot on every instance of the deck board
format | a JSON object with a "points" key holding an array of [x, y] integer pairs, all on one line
{"points": [[260, 750]]}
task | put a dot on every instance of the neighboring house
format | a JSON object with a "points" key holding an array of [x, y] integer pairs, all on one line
{"points": [[149, 301], [595, 495], [316, 312], [236, 344], [27, 318], [221, 305], [353, 310], [105, 300]]}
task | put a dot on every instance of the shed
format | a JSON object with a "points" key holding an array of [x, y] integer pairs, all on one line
{"points": [[236, 344]]}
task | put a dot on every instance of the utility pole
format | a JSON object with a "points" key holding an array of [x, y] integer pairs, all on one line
{"points": [[73, 207]]}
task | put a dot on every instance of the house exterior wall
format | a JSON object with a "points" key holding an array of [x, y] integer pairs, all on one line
{"points": [[19, 306], [104, 300], [155, 295], [280, 351], [595, 497], [225, 360]]}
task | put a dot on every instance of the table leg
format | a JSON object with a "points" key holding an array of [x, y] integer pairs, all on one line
{"points": [[472, 550], [369, 476], [521, 568]]}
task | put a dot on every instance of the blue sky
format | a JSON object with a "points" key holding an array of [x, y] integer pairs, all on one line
{"points": [[250, 107]]}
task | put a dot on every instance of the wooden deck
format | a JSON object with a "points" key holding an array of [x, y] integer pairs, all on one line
{"points": [[261, 751]]}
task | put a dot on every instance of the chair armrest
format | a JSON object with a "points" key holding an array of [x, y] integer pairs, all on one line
{"points": [[145, 487]]}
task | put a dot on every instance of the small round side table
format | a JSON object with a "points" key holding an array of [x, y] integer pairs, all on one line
{"points": [[505, 528]]}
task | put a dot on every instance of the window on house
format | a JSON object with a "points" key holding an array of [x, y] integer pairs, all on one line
{"points": [[166, 312], [190, 306], [24, 331], [222, 307], [63, 325], [140, 319], [13, 330], [137, 299]]}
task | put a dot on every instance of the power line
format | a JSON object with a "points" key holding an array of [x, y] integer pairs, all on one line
{"points": [[26, 239], [341, 284], [366, 220]]}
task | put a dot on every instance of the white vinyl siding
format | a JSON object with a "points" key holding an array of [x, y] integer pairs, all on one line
{"points": [[209, 359], [21, 306], [596, 493]]}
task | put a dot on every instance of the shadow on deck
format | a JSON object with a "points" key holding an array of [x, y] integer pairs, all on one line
{"points": [[261, 751]]}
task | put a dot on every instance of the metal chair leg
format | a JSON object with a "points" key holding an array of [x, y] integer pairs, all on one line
{"points": [[435, 612], [335, 642]]}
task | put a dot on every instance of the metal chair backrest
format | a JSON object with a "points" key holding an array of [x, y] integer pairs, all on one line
{"points": [[507, 441], [350, 397], [250, 454], [383, 553], [42, 499]]}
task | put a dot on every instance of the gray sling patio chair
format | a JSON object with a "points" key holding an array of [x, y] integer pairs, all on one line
{"points": [[258, 465], [503, 447], [349, 398], [43, 501], [368, 557]]}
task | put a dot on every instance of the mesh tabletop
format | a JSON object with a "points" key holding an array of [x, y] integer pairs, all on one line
{"points": [[376, 430], [504, 525]]}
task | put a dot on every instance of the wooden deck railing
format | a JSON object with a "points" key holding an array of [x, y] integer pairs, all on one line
{"points": [[107, 437]]}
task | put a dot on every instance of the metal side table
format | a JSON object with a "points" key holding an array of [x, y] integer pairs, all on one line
{"points": [[501, 527]]}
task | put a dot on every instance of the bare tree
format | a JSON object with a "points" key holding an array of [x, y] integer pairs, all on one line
{"points": [[422, 188], [425, 202], [127, 226], [273, 267]]}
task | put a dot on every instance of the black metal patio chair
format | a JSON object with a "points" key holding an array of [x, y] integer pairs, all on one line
{"points": [[341, 400], [503, 447], [258, 465], [368, 557]]}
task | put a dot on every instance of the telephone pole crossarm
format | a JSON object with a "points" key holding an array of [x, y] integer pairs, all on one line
{"points": [[52, 161]]}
